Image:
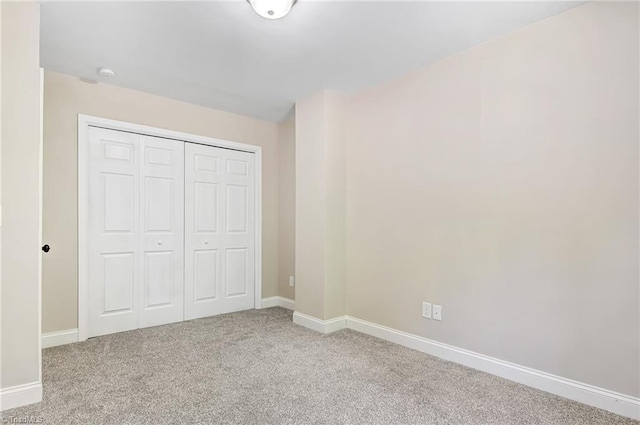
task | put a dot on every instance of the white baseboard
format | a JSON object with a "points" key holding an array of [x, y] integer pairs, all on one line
{"points": [[53, 339], [69, 336], [601, 398], [584, 393], [323, 326], [283, 302], [20, 395]]}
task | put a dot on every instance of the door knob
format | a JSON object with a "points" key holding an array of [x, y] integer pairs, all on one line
{"points": [[46, 248], [206, 242], [159, 242]]}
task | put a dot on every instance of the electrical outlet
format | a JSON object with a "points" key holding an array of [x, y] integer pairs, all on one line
{"points": [[426, 310], [437, 312], [292, 281]]}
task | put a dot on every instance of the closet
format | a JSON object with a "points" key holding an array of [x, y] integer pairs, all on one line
{"points": [[170, 228]]}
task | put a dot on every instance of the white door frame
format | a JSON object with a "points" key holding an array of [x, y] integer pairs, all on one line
{"points": [[86, 121]]}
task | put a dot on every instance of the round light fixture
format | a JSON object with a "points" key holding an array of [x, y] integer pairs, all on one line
{"points": [[106, 72], [272, 9]]}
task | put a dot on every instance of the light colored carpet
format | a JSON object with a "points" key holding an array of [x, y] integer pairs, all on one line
{"points": [[257, 367]]}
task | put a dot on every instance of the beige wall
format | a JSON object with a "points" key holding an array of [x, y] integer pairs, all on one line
{"points": [[20, 334], [310, 222], [502, 183], [335, 250], [0, 195], [65, 97], [287, 206], [320, 249]]}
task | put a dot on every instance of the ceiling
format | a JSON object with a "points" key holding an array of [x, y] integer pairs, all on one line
{"points": [[223, 55]]}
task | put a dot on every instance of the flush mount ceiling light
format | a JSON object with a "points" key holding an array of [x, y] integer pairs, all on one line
{"points": [[272, 9]]}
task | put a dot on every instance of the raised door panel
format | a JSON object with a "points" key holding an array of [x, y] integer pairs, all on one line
{"points": [[205, 199], [237, 276], [119, 192], [237, 167], [237, 208], [118, 277], [158, 280], [205, 275], [159, 194]]}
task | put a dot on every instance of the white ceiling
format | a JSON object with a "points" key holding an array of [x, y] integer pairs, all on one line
{"points": [[223, 55]]}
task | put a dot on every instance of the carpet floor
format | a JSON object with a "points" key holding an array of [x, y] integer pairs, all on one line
{"points": [[257, 367]]}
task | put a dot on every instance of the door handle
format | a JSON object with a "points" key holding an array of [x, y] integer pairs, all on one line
{"points": [[46, 248]]}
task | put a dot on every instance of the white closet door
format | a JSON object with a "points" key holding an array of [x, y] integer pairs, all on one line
{"points": [[136, 231], [113, 223], [219, 231], [162, 231]]}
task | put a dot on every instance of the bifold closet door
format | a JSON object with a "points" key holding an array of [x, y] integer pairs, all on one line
{"points": [[162, 231], [136, 231], [219, 230], [114, 222]]}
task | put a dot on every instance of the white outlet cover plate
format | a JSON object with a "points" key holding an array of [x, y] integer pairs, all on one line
{"points": [[437, 312]]}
